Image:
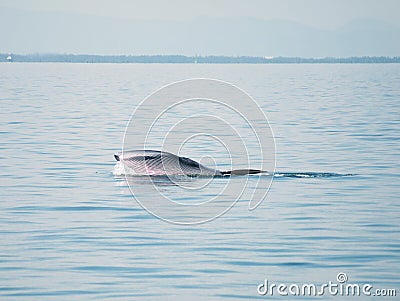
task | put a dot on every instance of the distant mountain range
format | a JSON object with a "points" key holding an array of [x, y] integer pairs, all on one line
{"points": [[25, 31]]}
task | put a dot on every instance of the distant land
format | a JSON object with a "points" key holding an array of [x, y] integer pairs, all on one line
{"points": [[182, 59]]}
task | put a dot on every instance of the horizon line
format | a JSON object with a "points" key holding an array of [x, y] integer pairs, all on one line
{"points": [[180, 58]]}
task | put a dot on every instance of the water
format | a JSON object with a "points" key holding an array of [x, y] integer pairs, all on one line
{"points": [[71, 230]]}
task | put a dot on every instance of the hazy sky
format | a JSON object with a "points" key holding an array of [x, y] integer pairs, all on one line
{"points": [[322, 14], [308, 28]]}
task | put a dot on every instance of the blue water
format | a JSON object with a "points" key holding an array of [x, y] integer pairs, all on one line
{"points": [[70, 229]]}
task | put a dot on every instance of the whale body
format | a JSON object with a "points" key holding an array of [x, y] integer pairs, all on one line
{"points": [[159, 163]]}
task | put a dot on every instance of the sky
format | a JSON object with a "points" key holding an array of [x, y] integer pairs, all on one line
{"points": [[315, 20], [324, 14]]}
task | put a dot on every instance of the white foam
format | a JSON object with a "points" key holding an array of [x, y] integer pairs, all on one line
{"points": [[119, 169]]}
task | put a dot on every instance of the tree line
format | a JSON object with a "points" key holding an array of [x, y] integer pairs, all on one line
{"points": [[182, 59]]}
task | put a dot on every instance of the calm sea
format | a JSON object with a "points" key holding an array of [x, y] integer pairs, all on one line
{"points": [[71, 230]]}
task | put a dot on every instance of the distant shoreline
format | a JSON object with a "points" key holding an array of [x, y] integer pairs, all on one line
{"points": [[182, 59]]}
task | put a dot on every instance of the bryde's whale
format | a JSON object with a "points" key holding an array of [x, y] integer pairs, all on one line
{"points": [[158, 163]]}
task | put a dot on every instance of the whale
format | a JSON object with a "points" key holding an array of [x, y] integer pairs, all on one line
{"points": [[162, 163]]}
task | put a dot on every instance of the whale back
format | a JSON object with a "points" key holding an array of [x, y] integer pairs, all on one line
{"points": [[156, 163]]}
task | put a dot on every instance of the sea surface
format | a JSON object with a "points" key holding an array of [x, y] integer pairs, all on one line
{"points": [[71, 230]]}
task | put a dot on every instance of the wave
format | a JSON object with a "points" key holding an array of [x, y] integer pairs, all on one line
{"points": [[119, 170], [309, 174]]}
